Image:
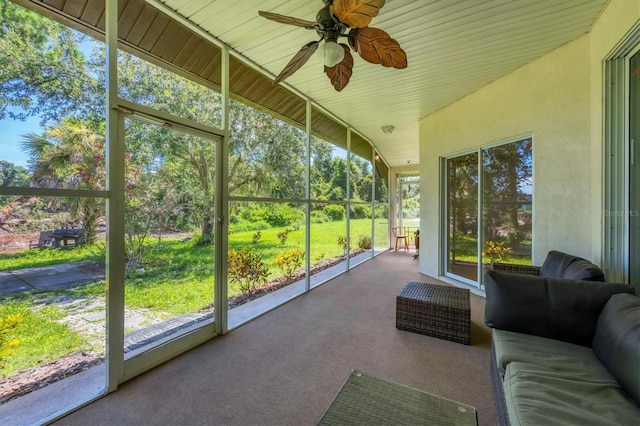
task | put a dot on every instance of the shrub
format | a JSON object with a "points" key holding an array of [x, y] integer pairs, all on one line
{"points": [[275, 214], [360, 211], [245, 226], [320, 256], [204, 240], [381, 212], [290, 260], [364, 242], [283, 215], [494, 251], [342, 242], [282, 236], [256, 237], [515, 238], [318, 216], [247, 269], [334, 212]]}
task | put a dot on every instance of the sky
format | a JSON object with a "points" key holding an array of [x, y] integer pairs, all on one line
{"points": [[11, 133]]}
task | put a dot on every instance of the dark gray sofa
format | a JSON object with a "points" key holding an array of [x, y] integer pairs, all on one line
{"points": [[564, 352], [557, 265]]}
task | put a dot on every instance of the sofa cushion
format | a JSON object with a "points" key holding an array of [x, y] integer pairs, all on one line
{"points": [[582, 269], [555, 264], [563, 265], [559, 309], [537, 395], [578, 362], [617, 341]]}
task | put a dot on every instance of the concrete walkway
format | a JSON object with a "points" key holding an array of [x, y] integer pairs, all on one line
{"points": [[50, 277]]}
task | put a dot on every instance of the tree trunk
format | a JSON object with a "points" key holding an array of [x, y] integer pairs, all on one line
{"points": [[207, 230]]}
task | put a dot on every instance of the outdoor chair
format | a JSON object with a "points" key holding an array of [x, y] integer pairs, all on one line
{"points": [[44, 241], [400, 237]]}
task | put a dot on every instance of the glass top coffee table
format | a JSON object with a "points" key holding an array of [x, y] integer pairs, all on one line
{"points": [[368, 400]]}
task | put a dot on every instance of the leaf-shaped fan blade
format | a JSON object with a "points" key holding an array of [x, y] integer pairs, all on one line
{"points": [[297, 61], [377, 47], [288, 20], [341, 73], [356, 13]]}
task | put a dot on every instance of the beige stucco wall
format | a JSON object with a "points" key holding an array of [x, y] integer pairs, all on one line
{"points": [[558, 100]]}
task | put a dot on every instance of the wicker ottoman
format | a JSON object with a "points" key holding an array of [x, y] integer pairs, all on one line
{"points": [[435, 310]]}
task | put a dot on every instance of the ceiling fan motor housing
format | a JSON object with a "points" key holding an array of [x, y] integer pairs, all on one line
{"points": [[330, 27]]}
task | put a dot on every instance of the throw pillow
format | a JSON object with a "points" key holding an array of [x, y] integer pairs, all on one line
{"points": [[561, 309], [582, 269]]}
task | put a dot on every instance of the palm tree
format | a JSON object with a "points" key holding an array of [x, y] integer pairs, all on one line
{"points": [[70, 155]]}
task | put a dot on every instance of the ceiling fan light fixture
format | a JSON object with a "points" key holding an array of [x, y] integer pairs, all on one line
{"points": [[333, 53], [348, 19]]}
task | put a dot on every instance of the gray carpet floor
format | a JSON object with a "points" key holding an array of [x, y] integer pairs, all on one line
{"points": [[285, 367]]}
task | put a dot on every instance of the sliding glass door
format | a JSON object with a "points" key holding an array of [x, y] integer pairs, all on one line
{"points": [[489, 209], [507, 201], [462, 216], [634, 175]]}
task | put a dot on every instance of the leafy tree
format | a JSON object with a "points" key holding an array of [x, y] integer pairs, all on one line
{"points": [[267, 155], [361, 178], [187, 162], [462, 197], [338, 191], [506, 169], [189, 159], [11, 175], [70, 155], [261, 147], [149, 204], [321, 168], [284, 154], [42, 71]]}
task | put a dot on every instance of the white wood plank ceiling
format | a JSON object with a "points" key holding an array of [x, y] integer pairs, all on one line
{"points": [[454, 47]]}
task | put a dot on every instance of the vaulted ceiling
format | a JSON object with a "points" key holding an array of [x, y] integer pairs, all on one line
{"points": [[454, 47]]}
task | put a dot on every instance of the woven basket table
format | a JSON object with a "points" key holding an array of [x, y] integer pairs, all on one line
{"points": [[435, 310]]}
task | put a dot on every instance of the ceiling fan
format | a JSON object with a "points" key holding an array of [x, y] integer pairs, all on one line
{"points": [[343, 19]]}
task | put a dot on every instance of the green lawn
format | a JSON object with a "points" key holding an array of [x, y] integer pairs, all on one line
{"points": [[42, 337], [177, 278], [31, 258]]}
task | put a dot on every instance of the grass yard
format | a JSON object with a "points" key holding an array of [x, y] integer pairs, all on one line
{"points": [[31, 258], [42, 337], [176, 278]]}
